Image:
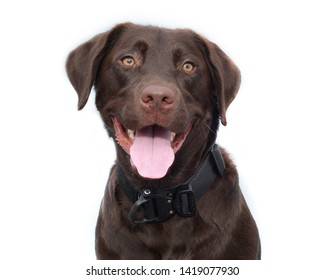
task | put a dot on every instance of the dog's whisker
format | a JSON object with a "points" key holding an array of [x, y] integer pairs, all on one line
{"points": [[209, 128]]}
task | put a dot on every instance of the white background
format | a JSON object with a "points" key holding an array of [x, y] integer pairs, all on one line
{"points": [[54, 160]]}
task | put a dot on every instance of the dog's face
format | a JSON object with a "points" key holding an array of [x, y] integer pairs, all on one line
{"points": [[155, 89]]}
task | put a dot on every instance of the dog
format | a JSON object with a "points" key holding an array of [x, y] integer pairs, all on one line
{"points": [[172, 192]]}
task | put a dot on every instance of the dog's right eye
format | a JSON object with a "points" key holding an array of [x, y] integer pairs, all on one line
{"points": [[188, 67], [128, 61]]}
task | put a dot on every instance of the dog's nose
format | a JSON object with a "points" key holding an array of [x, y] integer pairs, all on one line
{"points": [[156, 97]]}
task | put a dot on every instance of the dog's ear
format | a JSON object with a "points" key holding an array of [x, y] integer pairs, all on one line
{"points": [[83, 62], [225, 74]]}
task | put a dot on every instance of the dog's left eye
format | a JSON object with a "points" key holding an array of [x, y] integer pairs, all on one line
{"points": [[188, 67], [128, 61]]}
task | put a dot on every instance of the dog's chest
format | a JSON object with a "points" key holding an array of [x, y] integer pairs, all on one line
{"points": [[168, 240]]}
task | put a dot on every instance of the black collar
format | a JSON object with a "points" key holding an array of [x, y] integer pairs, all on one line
{"points": [[154, 204]]}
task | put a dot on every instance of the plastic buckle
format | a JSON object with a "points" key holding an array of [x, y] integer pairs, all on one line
{"points": [[185, 203], [151, 207]]}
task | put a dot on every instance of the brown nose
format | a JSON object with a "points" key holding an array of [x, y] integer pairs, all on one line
{"points": [[155, 97]]}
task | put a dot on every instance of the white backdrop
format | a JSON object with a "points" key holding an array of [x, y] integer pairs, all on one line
{"points": [[54, 160]]}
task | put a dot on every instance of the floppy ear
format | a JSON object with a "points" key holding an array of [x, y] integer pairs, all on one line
{"points": [[83, 62], [226, 77]]}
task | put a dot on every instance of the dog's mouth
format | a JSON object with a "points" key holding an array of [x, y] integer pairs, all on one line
{"points": [[152, 148]]}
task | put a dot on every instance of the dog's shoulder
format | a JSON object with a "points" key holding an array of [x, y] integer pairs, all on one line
{"points": [[230, 176]]}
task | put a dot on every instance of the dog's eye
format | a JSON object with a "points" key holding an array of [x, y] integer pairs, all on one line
{"points": [[188, 67], [128, 61]]}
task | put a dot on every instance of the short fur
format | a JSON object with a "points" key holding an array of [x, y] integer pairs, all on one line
{"points": [[223, 227]]}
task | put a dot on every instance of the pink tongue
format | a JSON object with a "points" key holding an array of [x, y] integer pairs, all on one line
{"points": [[151, 152]]}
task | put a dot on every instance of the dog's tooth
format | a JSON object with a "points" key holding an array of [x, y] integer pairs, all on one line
{"points": [[131, 134], [172, 136]]}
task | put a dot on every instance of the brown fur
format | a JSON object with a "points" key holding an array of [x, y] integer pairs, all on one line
{"points": [[223, 227]]}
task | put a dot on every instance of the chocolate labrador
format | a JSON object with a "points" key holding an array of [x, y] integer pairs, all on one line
{"points": [[172, 193]]}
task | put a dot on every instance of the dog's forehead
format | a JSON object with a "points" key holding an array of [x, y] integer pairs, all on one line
{"points": [[162, 39]]}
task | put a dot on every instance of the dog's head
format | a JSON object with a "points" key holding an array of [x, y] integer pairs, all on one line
{"points": [[155, 89]]}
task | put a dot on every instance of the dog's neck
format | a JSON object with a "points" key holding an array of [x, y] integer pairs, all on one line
{"points": [[154, 204]]}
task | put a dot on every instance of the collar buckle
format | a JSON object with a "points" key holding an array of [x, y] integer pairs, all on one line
{"points": [[184, 203], [157, 205], [153, 205]]}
